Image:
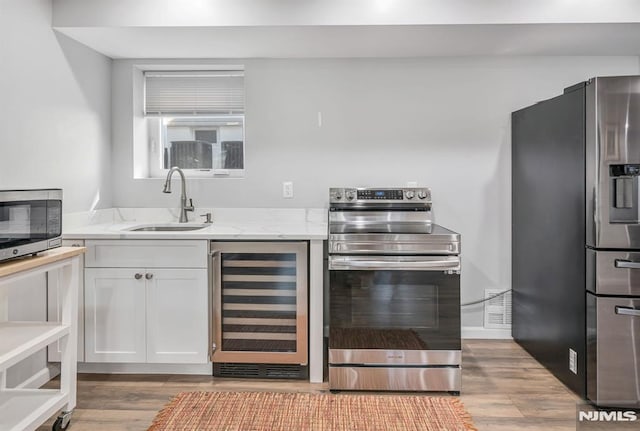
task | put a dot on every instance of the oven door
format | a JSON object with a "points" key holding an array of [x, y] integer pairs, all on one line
{"points": [[394, 310]]}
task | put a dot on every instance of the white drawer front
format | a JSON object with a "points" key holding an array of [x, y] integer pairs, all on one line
{"points": [[146, 254]]}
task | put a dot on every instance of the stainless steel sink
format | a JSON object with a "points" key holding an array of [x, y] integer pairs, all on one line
{"points": [[167, 228]]}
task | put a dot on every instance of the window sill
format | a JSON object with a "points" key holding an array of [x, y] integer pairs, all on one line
{"points": [[197, 174]]}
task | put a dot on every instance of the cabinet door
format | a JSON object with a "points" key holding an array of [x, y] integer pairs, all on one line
{"points": [[114, 315], [177, 316]]}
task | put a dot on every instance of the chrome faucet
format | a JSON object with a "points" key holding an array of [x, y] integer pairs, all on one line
{"points": [[183, 196]]}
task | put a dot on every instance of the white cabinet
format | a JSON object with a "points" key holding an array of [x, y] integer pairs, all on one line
{"points": [[146, 254], [177, 316], [115, 315], [148, 313]]}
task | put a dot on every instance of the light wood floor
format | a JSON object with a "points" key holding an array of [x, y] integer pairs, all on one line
{"points": [[503, 388]]}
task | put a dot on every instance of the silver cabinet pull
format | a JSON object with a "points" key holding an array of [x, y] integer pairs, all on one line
{"points": [[622, 263], [148, 276], [627, 311], [138, 276]]}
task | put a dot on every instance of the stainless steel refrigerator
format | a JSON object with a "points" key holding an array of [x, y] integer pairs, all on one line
{"points": [[576, 237]]}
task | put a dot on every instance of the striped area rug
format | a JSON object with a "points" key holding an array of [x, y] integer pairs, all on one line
{"points": [[270, 411]]}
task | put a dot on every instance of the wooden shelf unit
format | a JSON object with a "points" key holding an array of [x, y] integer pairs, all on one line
{"points": [[27, 409]]}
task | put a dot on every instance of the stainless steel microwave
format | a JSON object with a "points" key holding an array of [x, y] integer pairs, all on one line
{"points": [[30, 221]]}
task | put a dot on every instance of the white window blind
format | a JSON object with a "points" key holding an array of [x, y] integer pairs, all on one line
{"points": [[194, 93]]}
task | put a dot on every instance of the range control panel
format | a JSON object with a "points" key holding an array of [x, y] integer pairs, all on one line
{"points": [[394, 194], [389, 195]]}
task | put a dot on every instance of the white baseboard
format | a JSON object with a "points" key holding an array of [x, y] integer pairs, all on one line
{"points": [[480, 332], [111, 368], [40, 378]]}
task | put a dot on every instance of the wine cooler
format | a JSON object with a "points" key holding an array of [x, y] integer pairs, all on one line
{"points": [[260, 311]]}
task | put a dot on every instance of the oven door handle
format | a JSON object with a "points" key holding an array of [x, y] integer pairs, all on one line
{"points": [[448, 264]]}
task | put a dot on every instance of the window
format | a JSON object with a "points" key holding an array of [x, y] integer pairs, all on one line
{"points": [[195, 121]]}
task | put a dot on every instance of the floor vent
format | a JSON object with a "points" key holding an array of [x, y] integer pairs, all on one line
{"points": [[497, 311], [260, 371]]}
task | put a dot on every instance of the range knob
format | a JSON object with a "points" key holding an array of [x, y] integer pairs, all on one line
{"points": [[338, 196], [422, 194], [409, 194], [350, 195]]}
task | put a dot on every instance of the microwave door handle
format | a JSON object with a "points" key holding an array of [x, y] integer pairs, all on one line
{"points": [[623, 263], [627, 311]]}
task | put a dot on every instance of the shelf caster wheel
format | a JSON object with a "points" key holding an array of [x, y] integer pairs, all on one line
{"points": [[62, 423]]}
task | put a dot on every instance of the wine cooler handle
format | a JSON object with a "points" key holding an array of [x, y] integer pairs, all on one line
{"points": [[214, 287]]}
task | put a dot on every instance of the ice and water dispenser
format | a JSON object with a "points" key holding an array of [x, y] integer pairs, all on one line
{"points": [[624, 193]]}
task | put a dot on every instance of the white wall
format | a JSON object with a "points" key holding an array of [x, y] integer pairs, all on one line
{"points": [[55, 130], [55, 109], [443, 122]]}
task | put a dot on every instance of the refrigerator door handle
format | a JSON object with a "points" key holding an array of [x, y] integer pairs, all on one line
{"points": [[623, 263], [627, 311]]}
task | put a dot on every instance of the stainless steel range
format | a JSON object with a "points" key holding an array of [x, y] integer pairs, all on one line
{"points": [[394, 282]]}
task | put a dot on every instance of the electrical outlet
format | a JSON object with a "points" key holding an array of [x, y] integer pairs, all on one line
{"points": [[573, 361], [287, 190]]}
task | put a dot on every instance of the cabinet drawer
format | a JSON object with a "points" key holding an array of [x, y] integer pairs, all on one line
{"points": [[146, 253]]}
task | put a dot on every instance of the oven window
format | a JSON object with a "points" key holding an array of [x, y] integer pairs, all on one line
{"points": [[24, 222], [403, 310]]}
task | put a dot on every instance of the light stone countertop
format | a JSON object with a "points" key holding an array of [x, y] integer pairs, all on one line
{"points": [[228, 224]]}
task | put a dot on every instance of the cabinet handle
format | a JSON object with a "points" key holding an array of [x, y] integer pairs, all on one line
{"points": [[627, 311], [623, 263], [148, 276], [138, 276]]}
